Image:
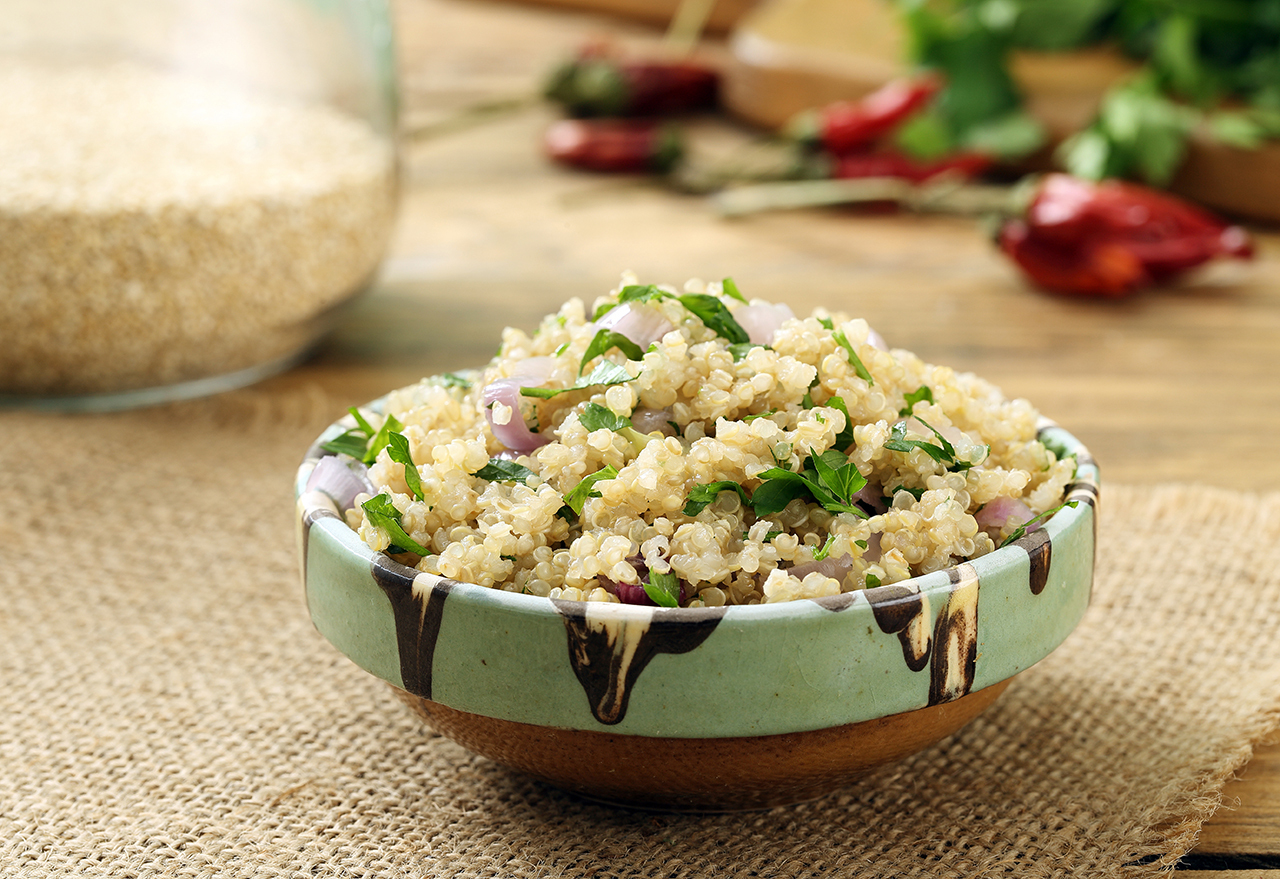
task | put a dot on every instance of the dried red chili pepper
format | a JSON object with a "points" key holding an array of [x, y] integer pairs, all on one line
{"points": [[885, 164], [850, 126], [1112, 238], [596, 84], [617, 145]]}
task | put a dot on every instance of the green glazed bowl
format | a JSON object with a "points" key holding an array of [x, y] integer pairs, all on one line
{"points": [[704, 708]]}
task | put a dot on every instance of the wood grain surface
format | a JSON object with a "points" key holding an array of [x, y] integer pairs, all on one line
{"points": [[1176, 384]]}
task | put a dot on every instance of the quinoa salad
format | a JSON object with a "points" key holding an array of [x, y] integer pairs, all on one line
{"points": [[688, 447]]}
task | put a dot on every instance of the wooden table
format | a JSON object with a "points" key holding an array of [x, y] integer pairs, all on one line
{"points": [[1175, 384]]}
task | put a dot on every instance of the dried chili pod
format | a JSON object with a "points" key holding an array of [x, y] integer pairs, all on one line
{"points": [[616, 145], [850, 126], [1112, 238], [595, 84]]}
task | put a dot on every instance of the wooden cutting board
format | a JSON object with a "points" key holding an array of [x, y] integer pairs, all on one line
{"points": [[790, 55]]}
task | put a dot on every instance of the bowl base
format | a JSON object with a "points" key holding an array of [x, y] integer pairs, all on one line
{"points": [[703, 774]]}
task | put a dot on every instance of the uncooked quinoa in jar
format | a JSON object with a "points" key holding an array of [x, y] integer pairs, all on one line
{"points": [[693, 448], [158, 229]]}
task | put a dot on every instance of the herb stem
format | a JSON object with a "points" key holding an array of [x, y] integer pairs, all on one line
{"points": [[947, 197]]}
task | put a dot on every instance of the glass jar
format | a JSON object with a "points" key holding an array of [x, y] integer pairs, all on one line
{"points": [[188, 189]]}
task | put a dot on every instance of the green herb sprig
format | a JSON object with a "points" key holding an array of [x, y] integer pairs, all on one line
{"points": [[398, 451], [707, 308], [605, 373], [502, 470], [382, 513], [362, 442], [576, 499], [943, 451], [664, 589]]}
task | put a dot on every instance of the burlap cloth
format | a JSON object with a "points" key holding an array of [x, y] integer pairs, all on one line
{"points": [[167, 709]]}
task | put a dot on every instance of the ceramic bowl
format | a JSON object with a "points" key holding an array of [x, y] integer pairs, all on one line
{"points": [[706, 708]]}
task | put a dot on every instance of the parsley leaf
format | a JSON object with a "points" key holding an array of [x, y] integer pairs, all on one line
{"points": [[823, 551], [606, 373], [605, 339], [944, 452], [383, 514], [1021, 530], [731, 290], [398, 451], [712, 312], [700, 496], [502, 470], [454, 380], [664, 589], [921, 393], [577, 497], [350, 442], [872, 581], [854, 359], [707, 308], [597, 417], [380, 439], [640, 293], [353, 442], [828, 479], [844, 438], [739, 350]]}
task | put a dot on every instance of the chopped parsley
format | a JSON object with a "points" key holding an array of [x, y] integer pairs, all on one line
{"points": [[844, 438], [821, 553], [664, 589], [872, 581], [383, 514], [921, 393], [398, 451], [577, 497], [1021, 531], [603, 341], [700, 496], [707, 308], [501, 470], [362, 442], [740, 350], [944, 454], [731, 290], [854, 359], [606, 373], [597, 417], [828, 479], [456, 380]]}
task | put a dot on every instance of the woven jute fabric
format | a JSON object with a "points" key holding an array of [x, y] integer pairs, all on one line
{"points": [[167, 709]]}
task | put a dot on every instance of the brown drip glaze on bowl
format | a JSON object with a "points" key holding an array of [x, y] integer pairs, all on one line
{"points": [[703, 774]]}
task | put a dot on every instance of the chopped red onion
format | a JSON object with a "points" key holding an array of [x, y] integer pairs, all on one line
{"points": [[835, 568], [534, 371], [872, 552], [872, 496], [633, 593], [515, 434], [648, 420], [762, 321], [1003, 512], [341, 478], [641, 323]]}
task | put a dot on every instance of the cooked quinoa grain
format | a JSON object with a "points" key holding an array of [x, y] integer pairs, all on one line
{"points": [[686, 447], [156, 229]]}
